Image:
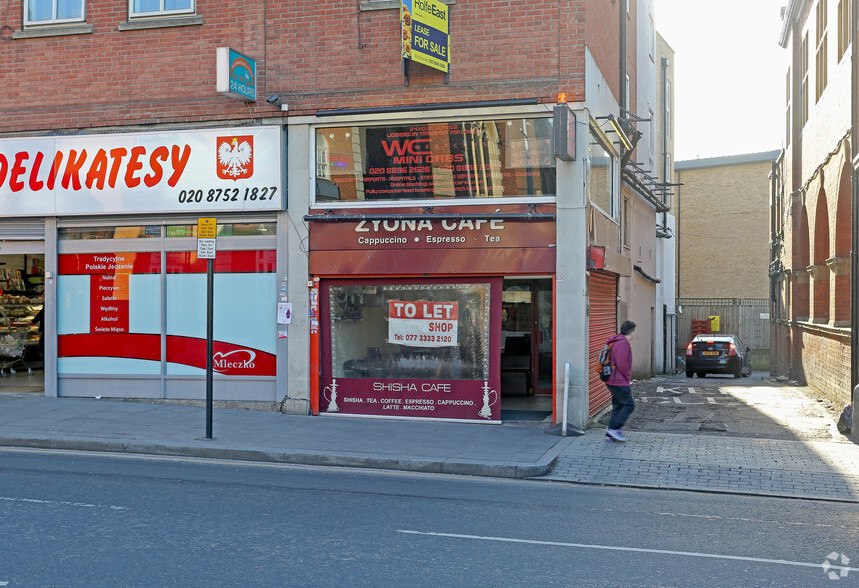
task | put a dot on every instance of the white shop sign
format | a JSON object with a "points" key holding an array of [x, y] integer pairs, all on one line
{"points": [[229, 169], [422, 324]]}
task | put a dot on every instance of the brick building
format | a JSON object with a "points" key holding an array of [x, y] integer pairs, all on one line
{"points": [[811, 204], [722, 210], [451, 239]]}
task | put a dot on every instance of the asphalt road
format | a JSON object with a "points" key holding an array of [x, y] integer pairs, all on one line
{"points": [[752, 407], [76, 519]]}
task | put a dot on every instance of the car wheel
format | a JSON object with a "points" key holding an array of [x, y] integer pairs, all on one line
{"points": [[738, 371], [702, 374], [689, 373]]}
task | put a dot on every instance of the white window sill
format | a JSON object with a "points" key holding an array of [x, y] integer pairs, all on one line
{"points": [[53, 31], [160, 22], [367, 5]]}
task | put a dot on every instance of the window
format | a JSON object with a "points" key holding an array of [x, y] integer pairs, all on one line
{"points": [[38, 12], [803, 75], [652, 38], [820, 51], [787, 110], [843, 27], [161, 7], [601, 177], [650, 132], [436, 161], [668, 109]]}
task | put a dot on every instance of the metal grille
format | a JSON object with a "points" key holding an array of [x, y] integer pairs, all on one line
{"points": [[602, 324], [748, 318]]}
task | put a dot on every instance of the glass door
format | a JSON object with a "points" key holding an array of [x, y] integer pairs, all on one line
{"points": [[526, 332]]}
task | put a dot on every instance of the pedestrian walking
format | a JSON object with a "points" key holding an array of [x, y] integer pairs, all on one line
{"points": [[622, 403]]}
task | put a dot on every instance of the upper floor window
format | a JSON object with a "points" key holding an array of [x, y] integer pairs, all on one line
{"points": [[787, 125], [161, 7], [601, 175], [508, 158], [803, 77], [820, 52], [843, 27], [37, 12]]}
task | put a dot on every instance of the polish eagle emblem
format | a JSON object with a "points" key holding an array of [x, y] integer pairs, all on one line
{"points": [[235, 157]]}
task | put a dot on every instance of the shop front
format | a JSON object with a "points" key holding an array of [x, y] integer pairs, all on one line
{"points": [[124, 292], [432, 250]]}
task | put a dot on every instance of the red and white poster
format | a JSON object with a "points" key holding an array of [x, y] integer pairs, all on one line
{"points": [[422, 324]]}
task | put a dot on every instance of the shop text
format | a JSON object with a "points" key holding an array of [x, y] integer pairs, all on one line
{"points": [[104, 168], [227, 195]]}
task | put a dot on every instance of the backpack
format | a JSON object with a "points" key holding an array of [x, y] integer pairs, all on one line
{"points": [[604, 365]]}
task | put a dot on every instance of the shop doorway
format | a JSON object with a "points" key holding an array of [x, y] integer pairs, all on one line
{"points": [[22, 298], [526, 348]]}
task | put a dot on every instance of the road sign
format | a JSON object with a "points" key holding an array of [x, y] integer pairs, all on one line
{"points": [[207, 230]]}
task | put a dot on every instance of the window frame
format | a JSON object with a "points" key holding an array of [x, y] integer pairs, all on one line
{"points": [[161, 12], [53, 21], [597, 136]]}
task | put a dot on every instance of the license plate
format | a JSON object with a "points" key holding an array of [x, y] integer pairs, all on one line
{"points": [[709, 353]]}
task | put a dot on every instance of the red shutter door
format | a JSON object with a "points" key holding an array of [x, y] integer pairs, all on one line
{"points": [[602, 324]]}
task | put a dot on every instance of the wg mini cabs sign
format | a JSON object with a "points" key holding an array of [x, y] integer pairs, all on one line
{"points": [[426, 33]]}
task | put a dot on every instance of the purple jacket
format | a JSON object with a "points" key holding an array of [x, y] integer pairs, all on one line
{"points": [[621, 361]]}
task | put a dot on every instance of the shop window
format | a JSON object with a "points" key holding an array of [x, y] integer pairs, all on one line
{"points": [[225, 229], [135, 232], [436, 161], [410, 331], [117, 311], [39, 12], [161, 7], [244, 326], [109, 313]]}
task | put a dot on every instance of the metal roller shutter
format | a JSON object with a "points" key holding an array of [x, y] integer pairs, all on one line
{"points": [[22, 229], [602, 324]]}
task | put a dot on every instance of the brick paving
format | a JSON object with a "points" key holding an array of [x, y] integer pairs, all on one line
{"points": [[797, 469]]}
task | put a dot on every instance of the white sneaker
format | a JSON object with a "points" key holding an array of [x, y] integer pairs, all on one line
{"points": [[614, 435]]}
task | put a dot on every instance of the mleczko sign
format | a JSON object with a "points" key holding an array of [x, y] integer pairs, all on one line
{"points": [[222, 169]]}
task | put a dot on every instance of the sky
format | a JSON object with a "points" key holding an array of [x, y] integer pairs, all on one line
{"points": [[729, 75]]}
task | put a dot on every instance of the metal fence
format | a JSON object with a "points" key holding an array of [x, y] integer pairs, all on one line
{"points": [[747, 318]]}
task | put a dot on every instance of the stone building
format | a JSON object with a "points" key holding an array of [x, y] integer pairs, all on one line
{"points": [[811, 203]]}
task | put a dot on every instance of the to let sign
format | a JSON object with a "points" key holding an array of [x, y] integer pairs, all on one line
{"points": [[423, 324]]}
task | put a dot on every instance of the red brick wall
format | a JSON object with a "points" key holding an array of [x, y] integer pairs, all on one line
{"points": [[315, 55], [823, 361]]}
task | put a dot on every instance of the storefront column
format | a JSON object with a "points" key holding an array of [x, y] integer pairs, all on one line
{"points": [[571, 299], [50, 319], [297, 377]]}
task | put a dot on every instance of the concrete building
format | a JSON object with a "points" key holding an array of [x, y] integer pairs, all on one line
{"points": [[811, 202], [423, 209]]}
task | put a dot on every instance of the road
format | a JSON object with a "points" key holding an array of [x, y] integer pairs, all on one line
{"points": [[78, 519], [753, 407]]}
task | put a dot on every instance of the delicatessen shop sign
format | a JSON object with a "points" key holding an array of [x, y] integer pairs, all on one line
{"points": [[230, 169]]}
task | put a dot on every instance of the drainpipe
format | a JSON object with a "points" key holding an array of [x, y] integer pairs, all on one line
{"points": [[854, 240], [622, 57]]}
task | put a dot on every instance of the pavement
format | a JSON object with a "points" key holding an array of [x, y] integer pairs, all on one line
{"points": [[810, 469]]}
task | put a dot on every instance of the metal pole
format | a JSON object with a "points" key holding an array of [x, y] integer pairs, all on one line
{"points": [[566, 397], [210, 324]]}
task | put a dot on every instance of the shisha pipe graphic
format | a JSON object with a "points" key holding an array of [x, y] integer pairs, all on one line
{"points": [[486, 411], [330, 393]]}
